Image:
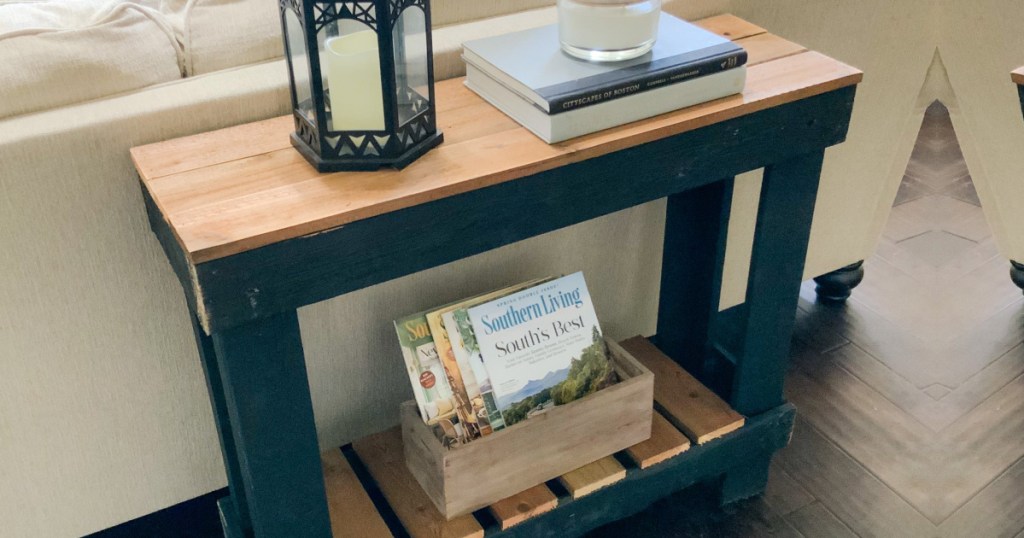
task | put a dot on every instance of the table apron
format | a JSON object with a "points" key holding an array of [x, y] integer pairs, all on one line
{"points": [[282, 276]]}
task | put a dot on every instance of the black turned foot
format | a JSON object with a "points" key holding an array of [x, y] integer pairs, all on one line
{"points": [[1017, 273], [837, 285]]}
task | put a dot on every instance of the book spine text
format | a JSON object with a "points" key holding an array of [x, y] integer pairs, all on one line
{"points": [[648, 81]]}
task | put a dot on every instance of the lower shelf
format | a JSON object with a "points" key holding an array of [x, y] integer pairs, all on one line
{"points": [[372, 493]]}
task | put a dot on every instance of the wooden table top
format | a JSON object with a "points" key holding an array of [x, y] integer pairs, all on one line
{"points": [[1017, 76], [237, 189]]}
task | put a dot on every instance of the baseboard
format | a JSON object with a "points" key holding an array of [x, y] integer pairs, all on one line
{"points": [[194, 518]]}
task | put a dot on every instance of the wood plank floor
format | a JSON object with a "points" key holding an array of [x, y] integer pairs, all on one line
{"points": [[910, 396]]}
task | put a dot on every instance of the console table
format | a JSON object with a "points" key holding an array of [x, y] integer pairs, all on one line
{"points": [[253, 232]]}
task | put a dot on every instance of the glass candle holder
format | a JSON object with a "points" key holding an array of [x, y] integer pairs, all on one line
{"points": [[608, 30]]}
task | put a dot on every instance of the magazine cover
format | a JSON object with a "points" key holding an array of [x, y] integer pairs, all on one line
{"points": [[469, 402], [460, 332], [541, 347], [429, 383]]}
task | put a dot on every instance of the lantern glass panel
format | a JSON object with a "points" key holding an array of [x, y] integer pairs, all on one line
{"points": [[299, 64], [350, 67], [412, 84]]}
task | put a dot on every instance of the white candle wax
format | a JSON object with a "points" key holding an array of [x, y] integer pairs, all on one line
{"points": [[604, 27], [353, 76]]}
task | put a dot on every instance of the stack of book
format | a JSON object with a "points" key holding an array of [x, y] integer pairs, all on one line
{"points": [[488, 362], [527, 76]]}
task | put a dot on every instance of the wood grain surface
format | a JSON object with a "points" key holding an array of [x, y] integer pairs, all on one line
{"points": [[593, 476], [352, 512], [1017, 76], [689, 405], [666, 441], [522, 506], [382, 455], [244, 187]]}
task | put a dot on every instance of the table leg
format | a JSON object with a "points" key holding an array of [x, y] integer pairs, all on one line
{"points": [[788, 194], [215, 387], [745, 480], [269, 437], [696, 225]]}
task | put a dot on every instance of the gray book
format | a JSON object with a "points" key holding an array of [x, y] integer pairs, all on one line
{"points": [[532, 64]]}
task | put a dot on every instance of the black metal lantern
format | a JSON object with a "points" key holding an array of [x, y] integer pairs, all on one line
{"points": [[362, 81]]}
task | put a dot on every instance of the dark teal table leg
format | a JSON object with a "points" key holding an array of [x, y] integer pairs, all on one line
{"points": [[696, 224], [270, 414], [237, 515], [783, 229]]}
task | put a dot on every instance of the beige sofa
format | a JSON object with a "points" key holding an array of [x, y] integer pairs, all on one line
{"points": [[979, 45], [104, 415]]}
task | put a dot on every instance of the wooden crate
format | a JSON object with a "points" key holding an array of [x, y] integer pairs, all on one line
{"points": [[477, 474]]}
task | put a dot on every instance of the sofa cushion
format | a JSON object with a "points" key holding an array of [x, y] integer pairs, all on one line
{"points": [[60, 52], [448, 12], [218, 34]]}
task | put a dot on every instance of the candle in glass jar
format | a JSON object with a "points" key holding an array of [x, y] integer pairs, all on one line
{"points": [[353, 78], [627, 26]]}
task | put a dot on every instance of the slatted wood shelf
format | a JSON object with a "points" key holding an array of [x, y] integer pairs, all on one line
{"points": [[618, 483]]}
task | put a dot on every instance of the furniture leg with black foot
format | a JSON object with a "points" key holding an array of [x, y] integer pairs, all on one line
{"points": [[836, 286], [1017, 273]]}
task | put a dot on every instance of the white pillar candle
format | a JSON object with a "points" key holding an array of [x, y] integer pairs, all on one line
{"points": [[608, 25], [353, 77]]}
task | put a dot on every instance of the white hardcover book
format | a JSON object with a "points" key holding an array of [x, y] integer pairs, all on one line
{"points": [[532, 64], [559, 127]]}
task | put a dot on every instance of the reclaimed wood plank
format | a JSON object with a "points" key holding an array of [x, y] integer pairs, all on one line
{"points": [[766, 47], [666, 441], [231, 143], [1017, 76], [351, 510], [688, 404], [523, 506], [382, 454], [212, 147], [730, 26], [235, 206], [593, 476]]}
